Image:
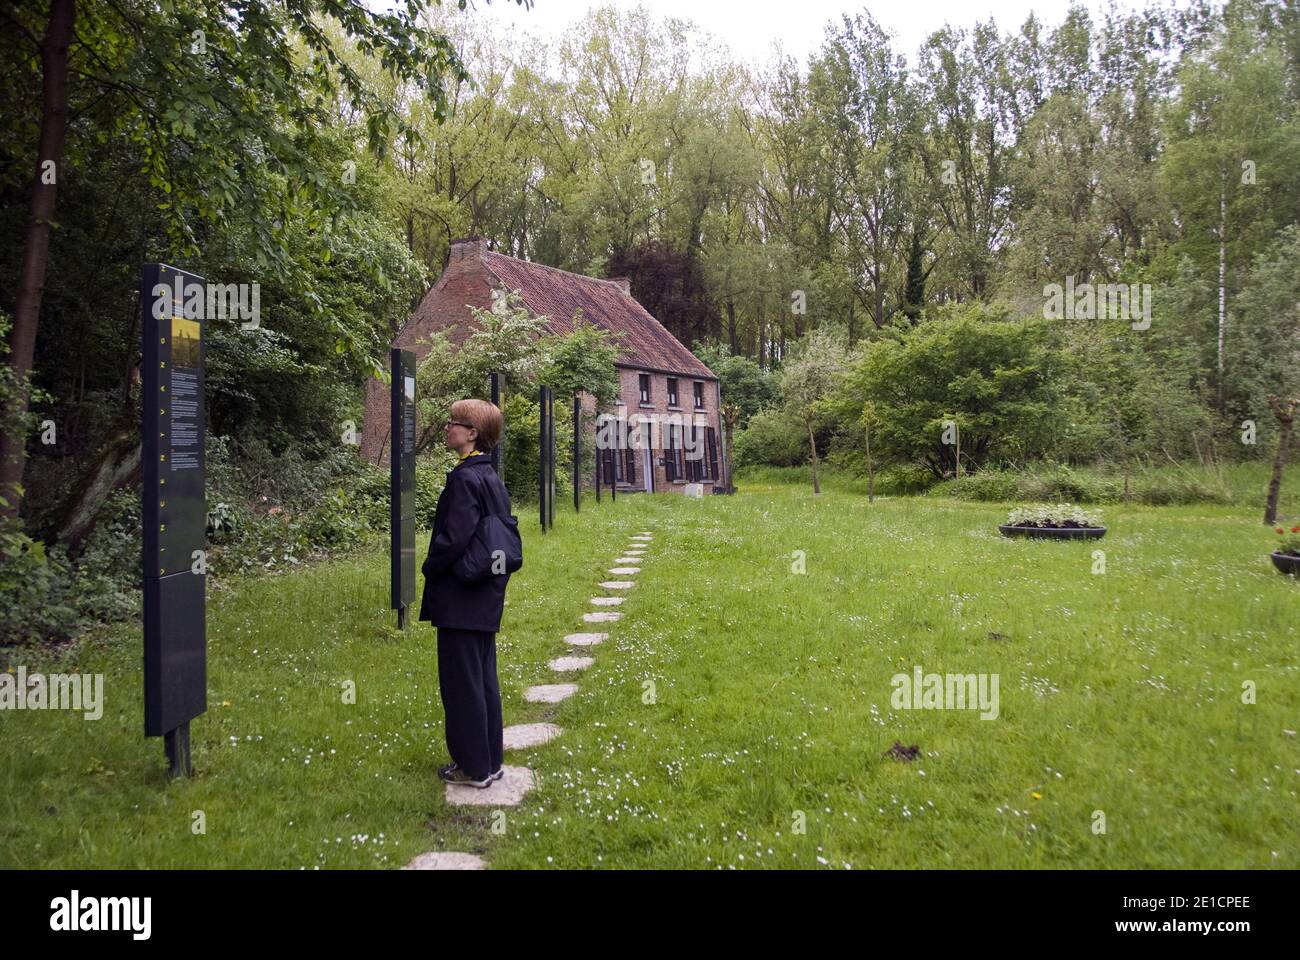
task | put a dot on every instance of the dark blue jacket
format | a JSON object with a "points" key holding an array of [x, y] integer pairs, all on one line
{"points": [[473, 490]]}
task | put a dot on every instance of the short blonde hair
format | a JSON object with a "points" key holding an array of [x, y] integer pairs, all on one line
{"points": [[484, 417]]}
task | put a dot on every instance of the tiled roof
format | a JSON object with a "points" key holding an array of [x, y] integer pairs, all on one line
{"points": [[557, 294]]}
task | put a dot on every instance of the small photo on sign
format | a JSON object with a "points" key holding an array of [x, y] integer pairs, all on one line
{"points": [[409, 387], [185, 343]]}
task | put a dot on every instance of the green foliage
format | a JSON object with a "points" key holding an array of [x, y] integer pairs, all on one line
{"points": [[774, 436], [746, 387], [36, 597], [1288, 540], [996, 380], [1053, 515]]}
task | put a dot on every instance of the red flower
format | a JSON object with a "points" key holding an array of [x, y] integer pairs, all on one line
{"points": [[1295, 529], [1280, 530]]}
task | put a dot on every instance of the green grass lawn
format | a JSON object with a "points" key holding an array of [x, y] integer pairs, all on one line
{"points": [[1119, 692]]}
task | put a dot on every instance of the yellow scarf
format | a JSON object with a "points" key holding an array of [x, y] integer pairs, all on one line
{"points": [[472, 453]]}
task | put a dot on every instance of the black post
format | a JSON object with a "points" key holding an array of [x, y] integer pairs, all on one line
{"points": [[550, 459], [600, 462], [541, 456], [498, 452], [577, 451], [401, 489], [173, 507], [177, 745]]}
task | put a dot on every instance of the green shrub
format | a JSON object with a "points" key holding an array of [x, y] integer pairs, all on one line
{"points": [[774, 437], [36, 598]]}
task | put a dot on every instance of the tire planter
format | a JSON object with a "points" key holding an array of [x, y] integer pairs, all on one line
{"points": [[1287, 563], [1053, 533]]}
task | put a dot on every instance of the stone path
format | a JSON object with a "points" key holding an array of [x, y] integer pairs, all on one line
{"points": [[446, 861], [550, 692], [570, 664], [506, 792], [517, 781], [585, 639], [524, 735]]}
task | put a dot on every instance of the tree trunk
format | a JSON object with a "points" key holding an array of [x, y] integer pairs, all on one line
{"points": [[1284, 410], [871, 470], [1223, 292], [36, 241], [812, 443], [117, 466]]}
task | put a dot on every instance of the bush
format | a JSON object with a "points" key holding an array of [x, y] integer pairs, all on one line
{"points": [[36, 598], [1065, 515], [774, 437]]}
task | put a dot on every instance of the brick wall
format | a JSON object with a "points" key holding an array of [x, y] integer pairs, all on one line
{"points": [[632, 409]]}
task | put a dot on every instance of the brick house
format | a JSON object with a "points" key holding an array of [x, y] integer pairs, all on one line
{"points": [[666, 431]]}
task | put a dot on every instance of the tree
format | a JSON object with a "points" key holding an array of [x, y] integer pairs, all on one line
{"points": [[995, 378], [807, 377], [191, 78], [1284, 410]]}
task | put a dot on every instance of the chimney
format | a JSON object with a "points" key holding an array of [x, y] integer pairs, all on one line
{"points": [[623, 283], [468, 247]]}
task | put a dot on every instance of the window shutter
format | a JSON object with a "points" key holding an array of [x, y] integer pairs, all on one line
{"points": [[629, 461], [711, 441], [679, 454]]}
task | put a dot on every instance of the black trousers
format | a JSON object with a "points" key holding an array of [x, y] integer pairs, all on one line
{"points": [[471, 698]]}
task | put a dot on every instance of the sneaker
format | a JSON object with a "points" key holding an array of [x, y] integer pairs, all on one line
{"points": [[452, 773], [501, 772]]}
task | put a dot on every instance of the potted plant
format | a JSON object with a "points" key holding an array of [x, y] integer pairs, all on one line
{"points": [[1287, 556], [1060, 521]]}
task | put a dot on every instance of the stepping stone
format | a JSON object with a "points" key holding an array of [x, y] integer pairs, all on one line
{"points": [[569, 664], [642, 536], [624, 570], [618, 584], [523, 735], [601, 616], [627, 560], [607, 601], [585, 639], [506, 792], [635, 551], [446, 861], [549, 693]]}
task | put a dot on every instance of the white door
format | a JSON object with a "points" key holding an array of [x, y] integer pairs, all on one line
{"points": [[648, 468]]}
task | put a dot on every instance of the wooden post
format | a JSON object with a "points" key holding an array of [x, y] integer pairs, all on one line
{"points": [[1284, 410]]}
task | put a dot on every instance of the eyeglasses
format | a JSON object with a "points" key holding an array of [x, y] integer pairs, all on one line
{"points": [[457, 423]]}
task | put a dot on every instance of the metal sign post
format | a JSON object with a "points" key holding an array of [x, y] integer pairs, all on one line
{"points": [[499, 451], [174, 512], [577, 451], [401, 497]]}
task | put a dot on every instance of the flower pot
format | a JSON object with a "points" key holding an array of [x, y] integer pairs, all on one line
{"points": [[1053, 533], [1287, 563]]}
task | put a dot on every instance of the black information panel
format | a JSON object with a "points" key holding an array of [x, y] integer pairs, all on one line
{"points": [[402, 489], [174, 511]]}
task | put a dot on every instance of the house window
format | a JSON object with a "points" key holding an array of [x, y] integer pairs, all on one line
{"points": [[699, 395], [672, 391], [645, 387], [695, 463]]}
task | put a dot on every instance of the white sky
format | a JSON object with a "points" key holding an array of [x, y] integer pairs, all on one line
{"points": [[751, 27]]}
